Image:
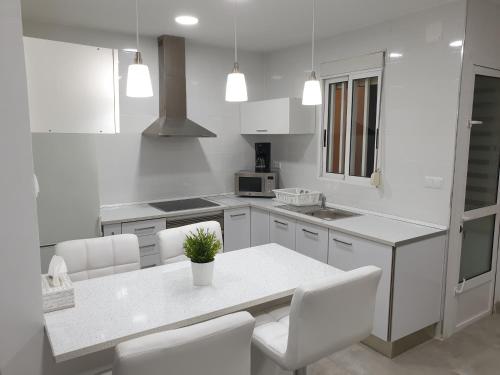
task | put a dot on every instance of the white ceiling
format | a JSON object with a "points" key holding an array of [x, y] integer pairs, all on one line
{"points": [[263, 25]]}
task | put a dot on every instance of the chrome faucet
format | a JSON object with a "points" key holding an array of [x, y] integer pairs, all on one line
{"points": [[323, 201]]}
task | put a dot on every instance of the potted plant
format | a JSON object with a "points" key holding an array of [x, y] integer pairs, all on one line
{"points": [[201, 247]]}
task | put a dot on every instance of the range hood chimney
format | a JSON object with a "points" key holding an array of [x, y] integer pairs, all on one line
{"points": [[173, 121]]}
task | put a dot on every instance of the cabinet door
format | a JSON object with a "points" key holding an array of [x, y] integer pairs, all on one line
{"points": [[282, 231], [266, 117], [259, 227], [312, 240], [72, 88], [144, 227], [236, 229], [348, 253], [111, 229]]}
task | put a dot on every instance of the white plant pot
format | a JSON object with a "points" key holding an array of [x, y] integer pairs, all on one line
{"points": [[203, 273]]}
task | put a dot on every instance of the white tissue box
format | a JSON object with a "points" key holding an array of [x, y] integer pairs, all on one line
{"points": [[57, 297]]}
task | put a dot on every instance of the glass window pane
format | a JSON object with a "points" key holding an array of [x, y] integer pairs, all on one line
{"points": [[335, 127], [477, 247], [363, 126], [484, 151]]}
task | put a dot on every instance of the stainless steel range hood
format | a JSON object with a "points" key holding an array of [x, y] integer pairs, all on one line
{"points": [[173, 121]]}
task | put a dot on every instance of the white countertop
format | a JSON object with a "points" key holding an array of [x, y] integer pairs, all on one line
{"points": [[384, 230], [115, 308]]}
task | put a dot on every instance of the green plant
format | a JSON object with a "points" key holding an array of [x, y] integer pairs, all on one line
{"points": [[202, 246]]}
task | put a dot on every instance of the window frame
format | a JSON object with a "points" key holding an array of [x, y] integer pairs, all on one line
{"points": [[350, 78]]}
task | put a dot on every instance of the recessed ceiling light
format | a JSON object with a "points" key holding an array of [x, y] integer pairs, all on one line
{"points": [[456, 43], [186, 20], [395, 55], [130, 50]]}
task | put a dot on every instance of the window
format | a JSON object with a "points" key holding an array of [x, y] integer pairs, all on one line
{"points": [[350, 126]]}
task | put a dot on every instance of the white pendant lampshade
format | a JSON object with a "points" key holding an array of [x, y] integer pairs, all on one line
{"points": [[312, 91], [236, 86], [312, 87], [139, 80], [138, 77]]}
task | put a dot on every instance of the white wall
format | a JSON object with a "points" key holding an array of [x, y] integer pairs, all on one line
{"points": [[418, 118], [134, 168], [21, 330]]}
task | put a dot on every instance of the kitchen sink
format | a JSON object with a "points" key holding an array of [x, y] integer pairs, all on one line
{"points": [[320, 213], [329, 214]]}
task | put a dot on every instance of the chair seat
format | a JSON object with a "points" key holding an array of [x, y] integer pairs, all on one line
{"points": [[271, 332]]}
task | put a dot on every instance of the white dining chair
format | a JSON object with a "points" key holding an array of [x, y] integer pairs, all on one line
{"points": [[324, 317], [217, 347], [96, 257], [171, 241]]}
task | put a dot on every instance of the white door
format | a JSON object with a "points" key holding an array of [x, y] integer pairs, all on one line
{"points": [[476, 207]]}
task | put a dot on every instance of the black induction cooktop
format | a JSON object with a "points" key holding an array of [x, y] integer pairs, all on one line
{"points": [[183, 204]]}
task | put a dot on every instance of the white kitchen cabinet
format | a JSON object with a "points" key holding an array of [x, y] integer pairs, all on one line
{"points": [[259, 227], [347, 253], [277, 116], [111, 229], [282, 231], [146, 230], [236, 229], [72, 88], [417, 285], [312, 240]]}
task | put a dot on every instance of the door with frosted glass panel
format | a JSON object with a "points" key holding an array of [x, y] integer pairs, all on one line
{"points": [[480, 220]]}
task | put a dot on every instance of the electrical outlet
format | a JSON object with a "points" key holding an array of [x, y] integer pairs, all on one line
{"points": [[432, 182], [276, 164]]}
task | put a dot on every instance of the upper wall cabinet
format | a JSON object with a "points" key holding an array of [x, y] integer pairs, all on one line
{"points": [[277, 116], [72, 88]]}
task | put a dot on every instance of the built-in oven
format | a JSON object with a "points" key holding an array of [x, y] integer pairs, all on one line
{"points": [[255, 184]]}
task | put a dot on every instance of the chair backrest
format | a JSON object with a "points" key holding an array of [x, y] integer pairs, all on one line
{"points": [[171, 241], [216, 347], [96, 257], [330, 315]]}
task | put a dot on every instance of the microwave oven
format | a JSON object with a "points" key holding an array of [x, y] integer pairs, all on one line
{"points": [[255, 184]]}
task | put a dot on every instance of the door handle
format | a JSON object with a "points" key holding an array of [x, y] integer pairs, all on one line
{"points": [[237, 215], [308, 231], [280, 222], [145, 228], [343, 242], [475, 122]]}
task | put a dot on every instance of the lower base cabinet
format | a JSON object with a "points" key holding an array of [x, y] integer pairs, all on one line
{"points": [[347, 253], [145, 230], [259, 227], [236, 229], [312, 240], [282, 231]]}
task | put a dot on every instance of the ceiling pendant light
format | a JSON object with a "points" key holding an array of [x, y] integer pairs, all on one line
{"points": [[138, 77], [312, 88], [236, 86]]}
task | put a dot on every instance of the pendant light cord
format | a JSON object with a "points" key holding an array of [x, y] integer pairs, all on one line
{"points": [[313, 34], [235, 29], [137, 23]]}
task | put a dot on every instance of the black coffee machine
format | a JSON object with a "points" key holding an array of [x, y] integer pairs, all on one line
{"points": [[263, 157]]}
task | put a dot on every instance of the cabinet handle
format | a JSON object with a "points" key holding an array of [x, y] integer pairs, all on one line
{"points": [[280, 222], [308, 231], [146, 246], [342, 242], [238, 215], [261, 130], [145, 228]]}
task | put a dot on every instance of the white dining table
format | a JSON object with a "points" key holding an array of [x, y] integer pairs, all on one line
{"points": [[112, 309]]}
